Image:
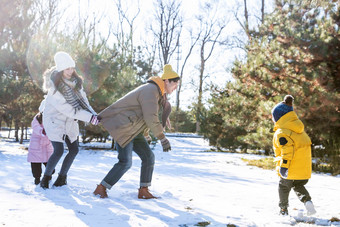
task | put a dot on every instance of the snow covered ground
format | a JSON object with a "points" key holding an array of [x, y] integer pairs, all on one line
{"points": [[197, 188]]}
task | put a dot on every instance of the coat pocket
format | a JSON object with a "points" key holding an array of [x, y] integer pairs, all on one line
{"points": [[126, 119]]}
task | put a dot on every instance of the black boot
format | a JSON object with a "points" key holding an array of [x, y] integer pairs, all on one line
{"points": [[36, 180], [61, 180], [44, 181], [284, 211]]}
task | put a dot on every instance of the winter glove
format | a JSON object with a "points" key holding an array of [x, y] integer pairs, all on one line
{"points": [[165, 144], [284, 172], [95, 120], [148, 139]]}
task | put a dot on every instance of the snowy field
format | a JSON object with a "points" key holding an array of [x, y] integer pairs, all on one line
{"points": [[197, 188]]}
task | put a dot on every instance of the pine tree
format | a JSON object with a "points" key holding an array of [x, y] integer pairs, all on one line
{"points": [[18, 93], [295, 51]]}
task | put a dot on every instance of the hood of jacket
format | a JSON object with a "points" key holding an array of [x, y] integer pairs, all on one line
{"points": [[165, 103], [48, 83], [290, 121], [159, 82]]}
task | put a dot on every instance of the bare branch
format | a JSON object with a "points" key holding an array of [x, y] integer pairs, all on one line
{"points": [[169, 28]]}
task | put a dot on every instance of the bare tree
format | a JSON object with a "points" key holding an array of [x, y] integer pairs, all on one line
{"points": [[194, 41], [244, 23], [246, 20], [47, 15], [168, 28], [125, 39], [211, 29]]}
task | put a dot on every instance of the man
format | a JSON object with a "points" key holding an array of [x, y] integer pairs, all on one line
{"points": [[126, 120]]}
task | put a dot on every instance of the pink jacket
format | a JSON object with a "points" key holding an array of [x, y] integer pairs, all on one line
{"points": [[40, 148]]}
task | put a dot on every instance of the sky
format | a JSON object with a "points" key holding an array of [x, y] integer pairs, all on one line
{"points": [[195, 186], [217, 67]]}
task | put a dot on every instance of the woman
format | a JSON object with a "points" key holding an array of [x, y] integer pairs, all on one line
{"points": [[65, 104]]}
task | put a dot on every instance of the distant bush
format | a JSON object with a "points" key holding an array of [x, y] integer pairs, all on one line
{"points": [[264, 163]]}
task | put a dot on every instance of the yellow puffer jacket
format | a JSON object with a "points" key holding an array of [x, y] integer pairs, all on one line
{"points": [[292, 147]]}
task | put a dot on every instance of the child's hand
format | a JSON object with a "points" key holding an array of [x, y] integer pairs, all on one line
{"points": [[284, 172]]}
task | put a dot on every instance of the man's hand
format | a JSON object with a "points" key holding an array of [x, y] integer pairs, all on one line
{"points": [[165, 144], [148, 139]]}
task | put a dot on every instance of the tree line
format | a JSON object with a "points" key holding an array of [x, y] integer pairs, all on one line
{"points": [[292, 50], [296, 51]]}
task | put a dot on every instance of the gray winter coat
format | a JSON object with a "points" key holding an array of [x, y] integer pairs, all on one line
{"points": [[134, 112]]}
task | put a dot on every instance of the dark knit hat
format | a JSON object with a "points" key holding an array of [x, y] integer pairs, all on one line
{"points": [[281, 109], [288, 100]]}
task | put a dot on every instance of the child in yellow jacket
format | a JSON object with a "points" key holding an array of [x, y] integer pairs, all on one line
{"points": [[292, 147]]}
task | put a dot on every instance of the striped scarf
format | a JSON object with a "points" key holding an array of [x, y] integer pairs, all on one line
{"points": [[72, 95]]}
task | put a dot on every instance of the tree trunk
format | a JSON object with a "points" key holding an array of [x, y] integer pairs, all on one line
{"points": [[22, 134], [193, 44], [16, 132], [9, 128], [200, 91], [246, 17], [262, 12]]}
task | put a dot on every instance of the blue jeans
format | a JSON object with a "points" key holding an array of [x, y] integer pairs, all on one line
{"points": [[142, 149], [58, 152]]}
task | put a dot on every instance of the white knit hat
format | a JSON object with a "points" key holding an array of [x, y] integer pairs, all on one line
{"points": [[63, 61]]}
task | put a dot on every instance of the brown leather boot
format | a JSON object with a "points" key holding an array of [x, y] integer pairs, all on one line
{"points": [[144, 193], [100, 190]]}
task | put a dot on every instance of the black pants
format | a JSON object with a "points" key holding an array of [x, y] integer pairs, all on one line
{"points": [[36, 169], [299, 188]]}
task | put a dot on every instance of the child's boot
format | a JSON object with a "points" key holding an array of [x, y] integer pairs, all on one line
{"points": [[310, 208], [36, 180], [284, 211]]}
